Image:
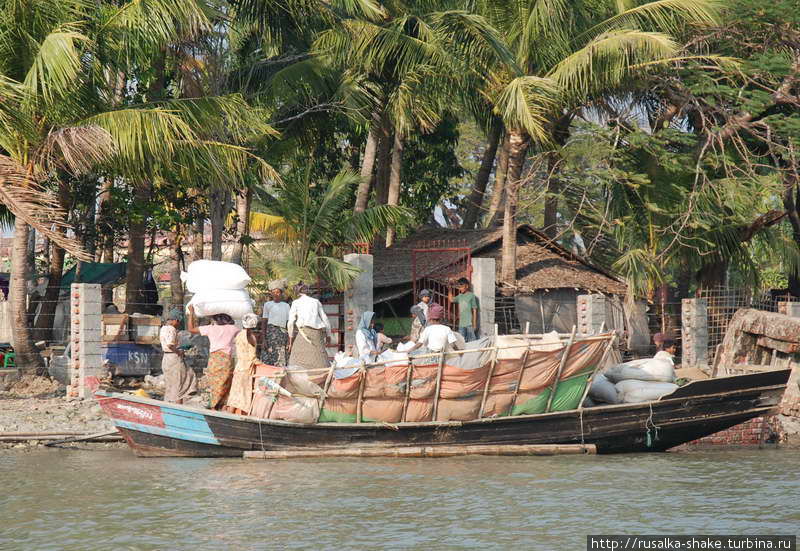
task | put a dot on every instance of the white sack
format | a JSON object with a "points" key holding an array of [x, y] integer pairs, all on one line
{"points": [[206, 275], [603, 390], [632, 392], [393, 359], [659, 368], [234, 302]]}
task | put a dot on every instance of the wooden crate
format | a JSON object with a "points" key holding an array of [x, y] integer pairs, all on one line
{"points": [[111, 326], [144, 329]]}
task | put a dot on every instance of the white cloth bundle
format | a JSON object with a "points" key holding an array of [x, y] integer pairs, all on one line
{"points": [[212, 275], [234, 302], [632, 391]]}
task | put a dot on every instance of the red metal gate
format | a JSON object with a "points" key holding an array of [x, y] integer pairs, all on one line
{"points": [[437, 266]]}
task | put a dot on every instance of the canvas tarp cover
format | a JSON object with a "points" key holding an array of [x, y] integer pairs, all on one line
{"points": [[463, 380], [96, 272]]}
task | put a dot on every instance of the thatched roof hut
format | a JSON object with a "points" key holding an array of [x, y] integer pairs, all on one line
{"points": [[549, 277]]}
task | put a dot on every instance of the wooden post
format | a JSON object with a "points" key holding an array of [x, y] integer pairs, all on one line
{"points": [[561, 365], [409, 371], [489, 375], [600, 365], [363, 370], [428, 451], [521, 370], [438, 384]]}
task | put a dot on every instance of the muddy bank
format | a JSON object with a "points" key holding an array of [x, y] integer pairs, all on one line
{"points": [[36, 404]]}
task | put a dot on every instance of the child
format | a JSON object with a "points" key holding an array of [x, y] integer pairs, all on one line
{"points": [[467, 310], [382, 339]]}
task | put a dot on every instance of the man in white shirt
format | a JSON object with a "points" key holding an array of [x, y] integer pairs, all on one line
{"points": [[274, 321], [309, 331], [436, 337]]}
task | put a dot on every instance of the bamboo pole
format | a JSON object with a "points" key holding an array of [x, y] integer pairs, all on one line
{"points": [[438, 383], [489, 375], [430, 451], [325, 388], [409, 371], [521, 371], [600, 365], [561, 365], [359, 403]]}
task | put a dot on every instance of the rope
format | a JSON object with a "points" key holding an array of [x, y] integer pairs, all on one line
{"points": [[649, 425], [580, 413]]}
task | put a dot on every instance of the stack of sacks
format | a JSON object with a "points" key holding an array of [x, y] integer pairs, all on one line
{"points": [[638, 381], [219, 288]]}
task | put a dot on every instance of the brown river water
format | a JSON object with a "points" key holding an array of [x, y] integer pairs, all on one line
{"points": [[107, 500]]}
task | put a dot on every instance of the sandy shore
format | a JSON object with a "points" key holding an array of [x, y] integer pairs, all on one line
{"points": [[32, 404]]}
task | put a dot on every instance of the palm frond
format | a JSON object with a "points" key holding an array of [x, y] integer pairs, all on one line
{"points": [[26, 199], [55, 66], [526, 102]]}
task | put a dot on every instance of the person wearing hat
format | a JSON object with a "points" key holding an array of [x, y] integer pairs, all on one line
{"points": [[240, 397], [436, 336], [180, 381], [419, 314], [274, 319]]}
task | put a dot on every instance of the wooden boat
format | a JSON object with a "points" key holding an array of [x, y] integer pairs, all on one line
{"points": [[154, 428]]}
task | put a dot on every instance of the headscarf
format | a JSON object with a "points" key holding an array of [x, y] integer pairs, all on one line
{"points": [[435, 312], [250, 321], [277, 284], [370, 333], [175, 314], [301, 288], [425, 293]]}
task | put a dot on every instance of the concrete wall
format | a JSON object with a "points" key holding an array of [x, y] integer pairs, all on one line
{"points": [[483, 285], [358, 298]]}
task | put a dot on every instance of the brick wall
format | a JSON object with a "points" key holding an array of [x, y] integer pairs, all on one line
{"points": [[760, 430]]}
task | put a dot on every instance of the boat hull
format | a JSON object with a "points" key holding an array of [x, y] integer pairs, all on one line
{"points": [[154, 428]]}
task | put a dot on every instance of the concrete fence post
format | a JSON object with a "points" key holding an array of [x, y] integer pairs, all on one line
{"points": [[694, 329], [483, 285], [791, 309], [86, 362], [357, 299], [591, 314]]}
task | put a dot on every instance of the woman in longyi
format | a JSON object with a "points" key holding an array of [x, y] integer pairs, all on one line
{"points": [[240, 397]]}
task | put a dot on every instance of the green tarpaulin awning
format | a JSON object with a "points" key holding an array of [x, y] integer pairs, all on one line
{"points": [[96, 272]]}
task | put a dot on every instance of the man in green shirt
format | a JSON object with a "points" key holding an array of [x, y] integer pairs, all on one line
{"points": [[467, 310]]}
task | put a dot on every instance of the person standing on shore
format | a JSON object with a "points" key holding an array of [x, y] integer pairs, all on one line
{"points": [[274, 319], [180, 381], [219, 371], [467, 310], [309, 331]]}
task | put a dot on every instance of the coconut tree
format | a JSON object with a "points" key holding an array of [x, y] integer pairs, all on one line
{"points": [[317, 226], [59, 115], [565, 54]]}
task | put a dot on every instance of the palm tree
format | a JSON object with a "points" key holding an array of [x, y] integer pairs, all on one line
{"points": [[60, 115], [567, 53], [317, 226]]}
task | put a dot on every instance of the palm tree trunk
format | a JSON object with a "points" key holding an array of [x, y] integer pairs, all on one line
{"points": [[220, 205], [395, 181], [367, 165], [135, 269], [105, 222], [175, 283], [476, 197], [384, 167], [22, 337], [243, 201], [496, 206], [44, 323], [518, 147], [550, 227], [198, 237]]}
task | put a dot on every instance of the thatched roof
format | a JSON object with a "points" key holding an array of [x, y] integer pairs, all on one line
{"points": [[541, 263]]}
